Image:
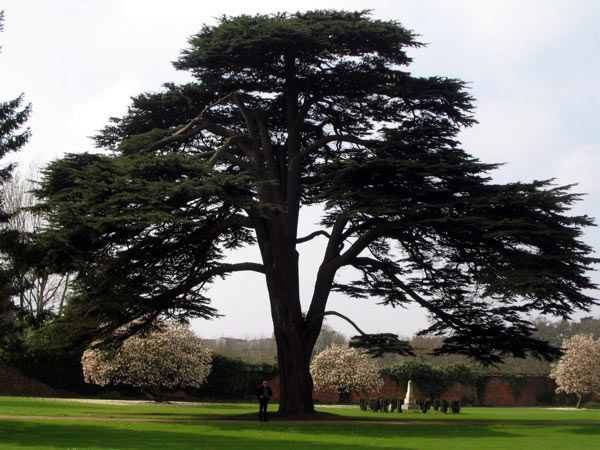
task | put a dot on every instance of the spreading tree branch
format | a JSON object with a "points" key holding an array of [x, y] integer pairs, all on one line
{"points": [[337, 239], [195, 126], [226, 97], [389, 273], [221, 150], [357, 247], [312, 236], [374, 344], [334, 313], [267, 145], [333, 138], [198, 279]]}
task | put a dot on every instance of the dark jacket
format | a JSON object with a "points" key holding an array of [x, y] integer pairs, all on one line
{"points": [[259, 392]]}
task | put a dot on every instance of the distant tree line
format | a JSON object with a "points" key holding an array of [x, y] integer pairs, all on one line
{"points": [[264, 350], [552, 331]]}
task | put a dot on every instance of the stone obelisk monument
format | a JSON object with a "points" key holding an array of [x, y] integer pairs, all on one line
{"points": [[409, 400]]}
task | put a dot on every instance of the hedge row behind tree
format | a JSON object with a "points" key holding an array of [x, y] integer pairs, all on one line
{"points": [[59, 368], [229, 378], [233, 379], [432, 381]]}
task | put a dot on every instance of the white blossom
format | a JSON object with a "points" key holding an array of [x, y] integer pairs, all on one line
{"points": [[345, 369], [172, 357], [578, 370]]}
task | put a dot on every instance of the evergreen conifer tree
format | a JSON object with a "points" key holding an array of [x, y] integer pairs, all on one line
{"points": [[289, 111], [13, 116]]}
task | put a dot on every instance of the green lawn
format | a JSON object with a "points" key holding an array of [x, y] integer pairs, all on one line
{"points": [[64, 408], [477, 414], [65, 434], [24, 406]]}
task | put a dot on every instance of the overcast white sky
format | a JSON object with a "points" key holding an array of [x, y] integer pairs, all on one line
{"points": [[533, 67]]}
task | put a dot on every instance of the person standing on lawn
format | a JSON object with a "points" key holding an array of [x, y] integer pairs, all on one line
{"points": [[264, 394]]}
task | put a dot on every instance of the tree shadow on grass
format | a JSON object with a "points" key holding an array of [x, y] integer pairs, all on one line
{"points": [[593, 430], [378, 430], [275, 416], [422, 436], [166, 415], [102, 435]]}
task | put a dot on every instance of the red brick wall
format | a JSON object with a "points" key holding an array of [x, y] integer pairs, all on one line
{"points": [[328, 397], [458, 391], [498, 392]]}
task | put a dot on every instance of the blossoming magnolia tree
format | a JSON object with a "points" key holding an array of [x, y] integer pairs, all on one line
{"points": [[169, 358], [345, 369], [578, 371]]}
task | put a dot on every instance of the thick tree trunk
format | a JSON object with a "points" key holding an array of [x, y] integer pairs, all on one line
{"points": [[579, 398], [293, 355], [296, 386]]}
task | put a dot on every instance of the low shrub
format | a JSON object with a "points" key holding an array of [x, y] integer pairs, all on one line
{"points": [[362, 402], [424, 404], [444, 406], [455, 406], [373, 404]]}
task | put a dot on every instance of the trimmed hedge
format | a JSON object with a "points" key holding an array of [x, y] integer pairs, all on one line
{"points": [[59, 369], [229, 379], [233, 379], [432, 381]]}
